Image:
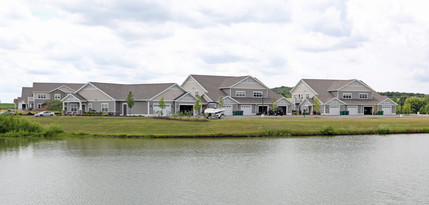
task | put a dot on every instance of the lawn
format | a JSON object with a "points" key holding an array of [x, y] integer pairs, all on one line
{"points": [[6, 106], [142, 126]]}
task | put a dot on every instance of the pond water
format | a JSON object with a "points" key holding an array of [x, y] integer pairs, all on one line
{"points": [[376, 169]]}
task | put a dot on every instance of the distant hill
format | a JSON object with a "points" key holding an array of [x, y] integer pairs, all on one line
{"points": [[401, 94], [283, 90]]}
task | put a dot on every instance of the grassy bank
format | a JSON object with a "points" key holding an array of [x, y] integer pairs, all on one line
{"points": [[249, 127], [14, 126]]}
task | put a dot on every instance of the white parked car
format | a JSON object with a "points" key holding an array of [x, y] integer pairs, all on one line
{"points": [[44, 114]]}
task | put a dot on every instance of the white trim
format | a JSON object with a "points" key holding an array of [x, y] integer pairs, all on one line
{"points": [[229, 98], [186, 93], [262, 94], [101, 107], [123, 109], [336, 99], [351, 95], [390, 101], [306, 99], [241, 92], [190, 76], [58, 88], [367, 95], [302, 80], [89, 83], [354, 80], [174, 84]]}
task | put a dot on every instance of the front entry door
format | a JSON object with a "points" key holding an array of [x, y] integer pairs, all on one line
{"points": [[124, 110], [83, 109]]}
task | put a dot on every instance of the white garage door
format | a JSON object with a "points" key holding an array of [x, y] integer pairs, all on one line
{"points": [[228, 109], [353, 110], [157, 110], [387, 110], [334, 110], [247, 109]]}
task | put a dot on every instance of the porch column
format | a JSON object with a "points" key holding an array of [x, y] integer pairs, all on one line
{"points": [[63, 112], [80, 108]]}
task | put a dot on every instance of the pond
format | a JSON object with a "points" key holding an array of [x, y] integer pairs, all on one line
{"points": [[376, 169]]}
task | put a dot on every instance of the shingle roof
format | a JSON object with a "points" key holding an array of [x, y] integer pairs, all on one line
{"points": [[140, 91], [39, 86], [26, 92], [213, 84], [322, 87]]}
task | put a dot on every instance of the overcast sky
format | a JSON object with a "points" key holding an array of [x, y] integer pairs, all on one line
{"points": [[383, 43]]}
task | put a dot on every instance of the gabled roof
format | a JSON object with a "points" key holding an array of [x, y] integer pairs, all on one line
{"points": [[47, 87], [140, 91], [322, 87], [26, 92], [213, 84], [76, 95]]}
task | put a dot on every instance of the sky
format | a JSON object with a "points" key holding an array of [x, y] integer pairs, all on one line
{"points": [[382, 42]]}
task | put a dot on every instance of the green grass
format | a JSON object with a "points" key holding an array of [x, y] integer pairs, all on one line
{"points": [[147, 127], [6, 106]]}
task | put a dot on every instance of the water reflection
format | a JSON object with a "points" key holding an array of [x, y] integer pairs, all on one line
{"points": [[314, 170]]}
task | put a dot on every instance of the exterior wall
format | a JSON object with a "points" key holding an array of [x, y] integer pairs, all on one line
{"points": [[139, 108], [356, 86], [52, 94], [355, 95], [191, 86], [96, 105], [302, 88], [249, 92], [92, 94], [37, 101], [171, 94], [151, 103], [250, 83]]}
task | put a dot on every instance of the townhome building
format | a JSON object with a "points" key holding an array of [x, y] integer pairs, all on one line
{"points": [[44, 92], [239, 93], [335, 96], [111, 98], [25, 102]]}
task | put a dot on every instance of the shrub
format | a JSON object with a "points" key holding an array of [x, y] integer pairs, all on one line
{"points": [[9, 123], [327, 131], [53, 131]]}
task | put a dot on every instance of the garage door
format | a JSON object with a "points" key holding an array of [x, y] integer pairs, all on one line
{"points": [[353, 110], [387, 110], [228, 109], [157, 110], [334, 110], [247, 109]]}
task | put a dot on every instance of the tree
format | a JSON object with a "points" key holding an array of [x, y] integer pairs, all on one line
{"points": [[424, 109], [55, 105], [161, 104], [274, 105], [220, 101], [406, 109], [316, 105], [130, 100], [197, 106], [415, 103]]}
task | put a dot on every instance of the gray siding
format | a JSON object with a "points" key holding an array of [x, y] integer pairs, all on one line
{"points": [[355, 95], [249, 92]]}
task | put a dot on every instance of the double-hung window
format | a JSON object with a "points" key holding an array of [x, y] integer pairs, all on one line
{"points": [[57, 96], [363, 95], [347, 95], [104, 107], [257, 94], [89, 106], [41, 96], [73, 107], [240, 93]]}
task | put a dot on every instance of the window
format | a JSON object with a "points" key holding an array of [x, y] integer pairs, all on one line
{"points": [[41, 96], [73, 107], [307, 95], [57, 96], [89, 106], [197, 93], [347, 95], [257, 94], [363, 95], [240, 93], [104, 107], [300, 96], [39, 105]]}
